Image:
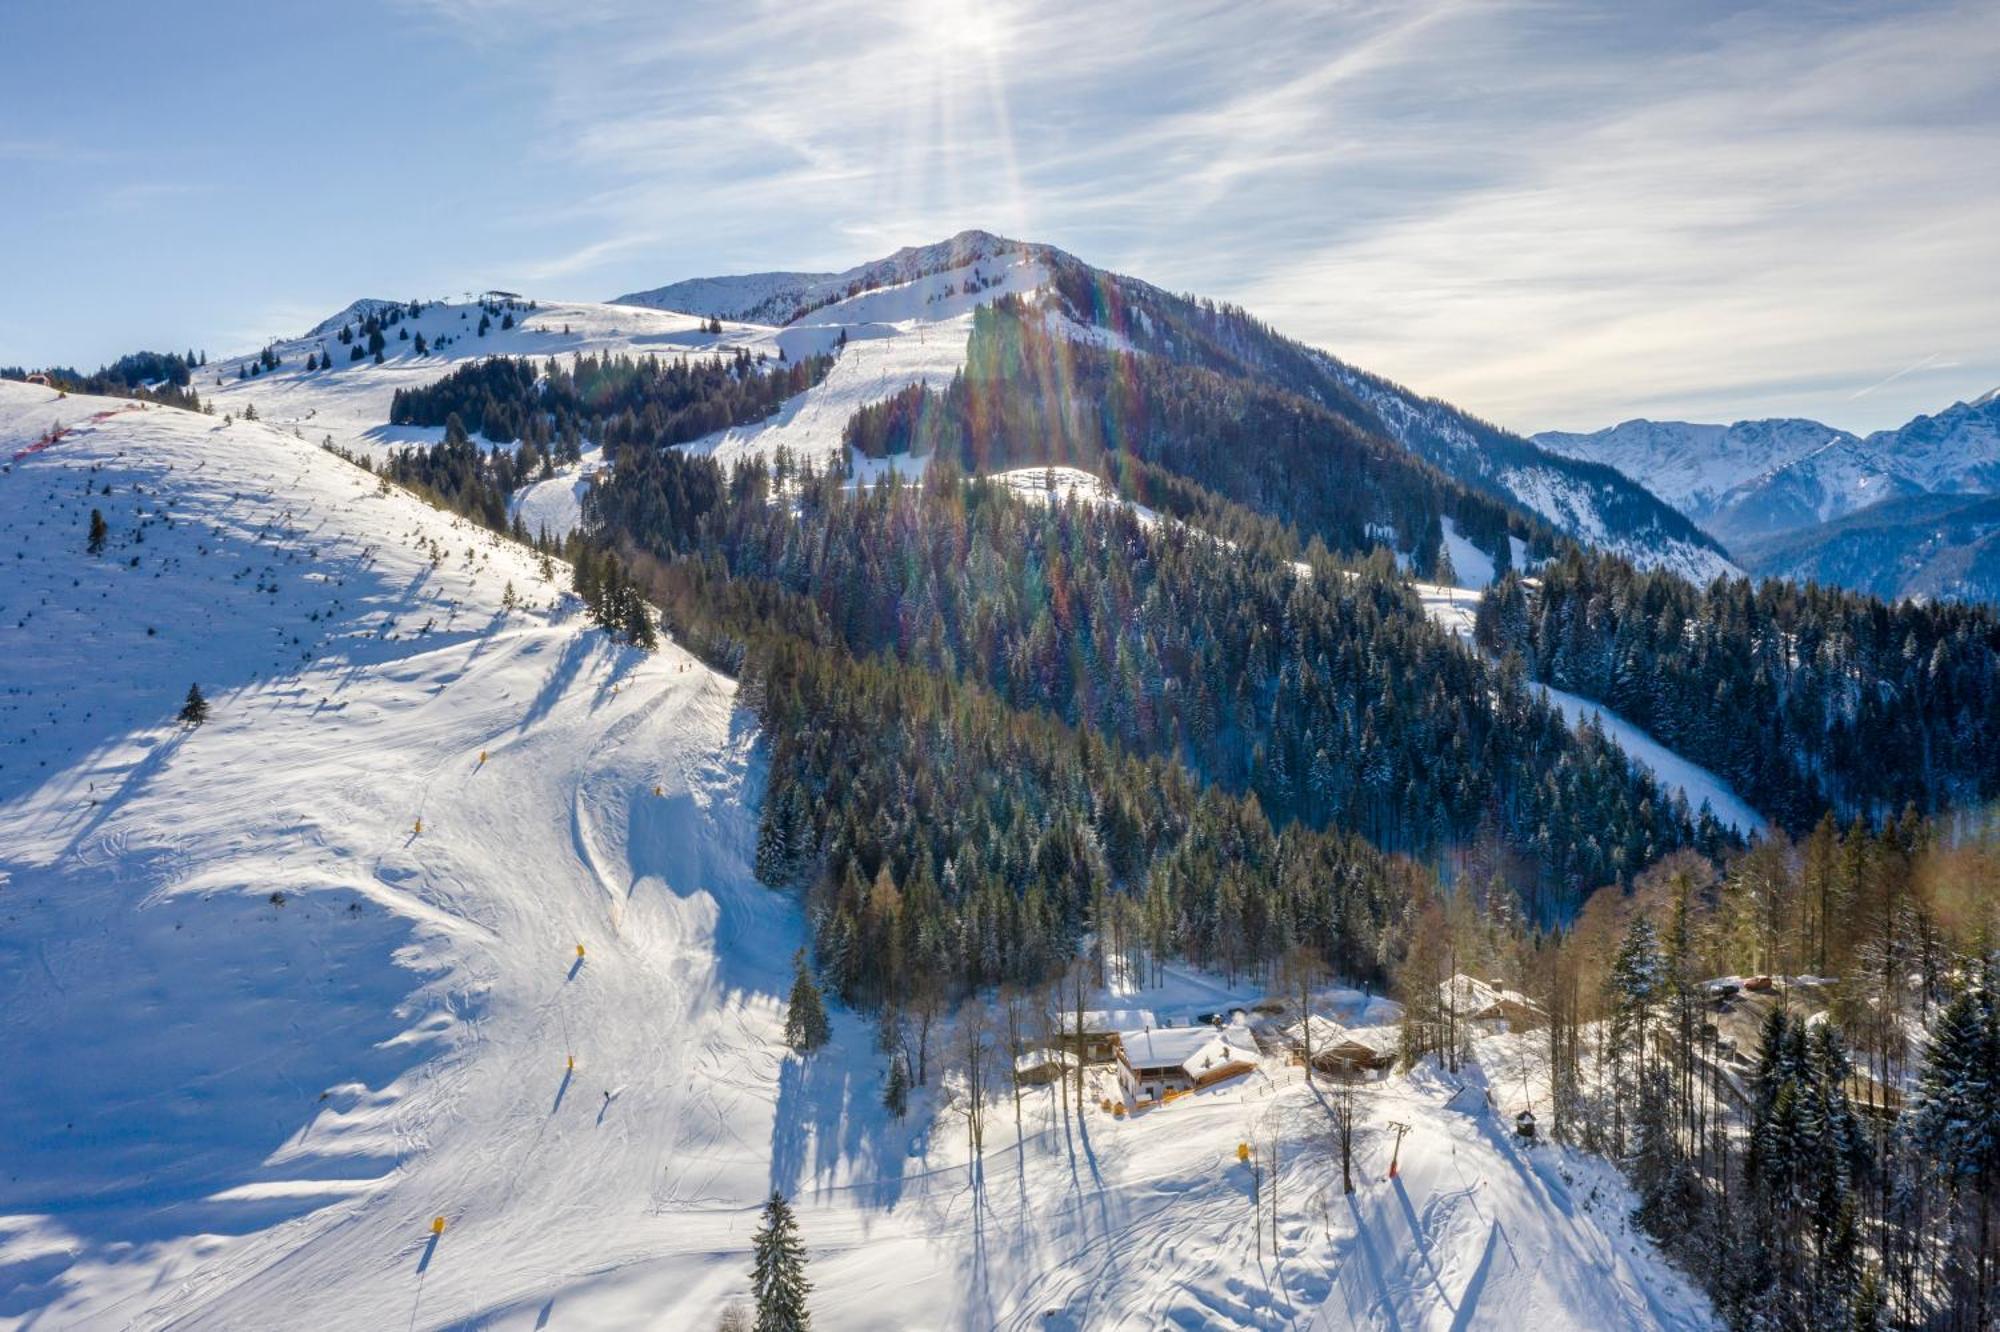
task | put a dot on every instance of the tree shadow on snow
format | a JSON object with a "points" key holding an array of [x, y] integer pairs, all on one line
{"points": [[830, 1132]]}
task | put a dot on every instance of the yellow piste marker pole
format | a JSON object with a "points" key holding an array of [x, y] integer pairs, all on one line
{"points": [[572, 1063], [418, 829], [579, 952], [437, 1225], [482, 756]]}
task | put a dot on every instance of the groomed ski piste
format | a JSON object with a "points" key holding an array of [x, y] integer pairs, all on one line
{"points": [[278, 991]]}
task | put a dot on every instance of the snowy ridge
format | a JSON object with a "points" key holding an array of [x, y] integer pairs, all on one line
{"points": [[1689, 465], [349, 403], [1759, 479], [1620, 518], [781, 298]]}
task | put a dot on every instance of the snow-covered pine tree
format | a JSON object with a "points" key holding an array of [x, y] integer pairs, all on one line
{"points": [[195, 710], [774, 848], [778, 1274], [806, 1028]]}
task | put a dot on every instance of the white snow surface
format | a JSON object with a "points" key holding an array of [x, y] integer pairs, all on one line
{"points": [[1061, 485], [556, 505], [1471, 567], [911, 333]]}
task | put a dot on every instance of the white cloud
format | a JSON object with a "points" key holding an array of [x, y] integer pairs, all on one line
{"points": [[1554, 213]]}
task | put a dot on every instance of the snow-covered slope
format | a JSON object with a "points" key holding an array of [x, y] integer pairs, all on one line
{"points": [[1594, 504], [911, 332], [260, 1024], [898, 331], [1456, 607], [350, 402]]}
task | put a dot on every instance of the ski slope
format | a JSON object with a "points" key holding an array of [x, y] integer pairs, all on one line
{"points": [[260, 1026], [1455, 607], [350, 402], [277, 991], [1696, 783], [914, 332], [911, 332]]}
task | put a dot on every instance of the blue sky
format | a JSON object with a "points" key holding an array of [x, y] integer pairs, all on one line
{"points": [[1555, 214]]}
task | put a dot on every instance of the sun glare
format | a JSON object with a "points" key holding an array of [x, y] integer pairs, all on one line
{"points": [[959, 26]]}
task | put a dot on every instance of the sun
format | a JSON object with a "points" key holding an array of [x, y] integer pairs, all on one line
{"points": [[960, 26]]}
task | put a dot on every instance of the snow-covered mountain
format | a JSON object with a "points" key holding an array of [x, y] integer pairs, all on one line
{"points": [[781, 298], [1760, 479], [1689, 465], [1594, 504], [278, 990]]}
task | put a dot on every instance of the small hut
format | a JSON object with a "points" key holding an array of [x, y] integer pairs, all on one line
{"points": [[1095, 1038], [1038, 1068]]}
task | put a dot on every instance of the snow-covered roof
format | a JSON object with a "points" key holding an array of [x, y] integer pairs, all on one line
{"points": [[1325, 1032], [1112, 1019], [1469, 994], [1328, 1034], [1381, 1039], [1042, 1058], [1195, 1050]]}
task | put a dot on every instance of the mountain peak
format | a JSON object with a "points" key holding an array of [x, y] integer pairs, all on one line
{"points": [[783, 297]]}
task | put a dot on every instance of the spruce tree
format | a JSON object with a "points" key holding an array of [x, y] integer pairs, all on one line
{"points": [[896, 1095], [778, 1275], [97, 532], [806, 1028], [774, 848], [195, 710], [637, 620]]}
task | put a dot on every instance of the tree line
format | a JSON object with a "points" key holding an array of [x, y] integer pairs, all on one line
{"points": [[647, 402], [1801, 697]]}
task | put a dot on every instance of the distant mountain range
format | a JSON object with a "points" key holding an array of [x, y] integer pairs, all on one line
{"points": [[1896, 512]]}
